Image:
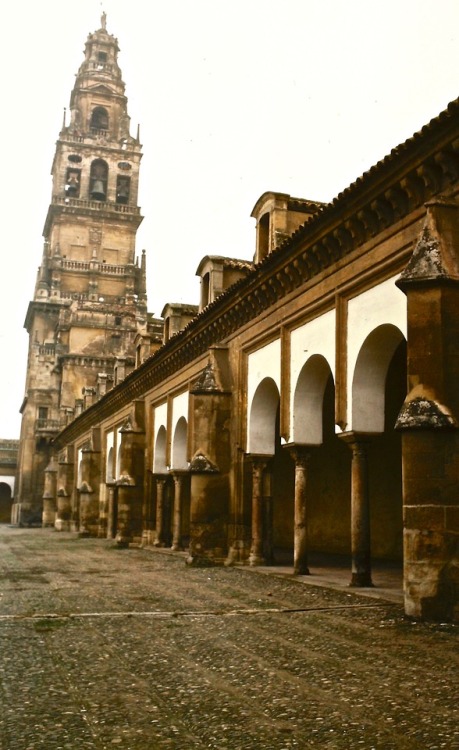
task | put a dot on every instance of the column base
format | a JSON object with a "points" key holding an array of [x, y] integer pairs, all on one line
{"points": [[361, 580], [61, 525], [256, 560], [301, 570], [122, 542]]}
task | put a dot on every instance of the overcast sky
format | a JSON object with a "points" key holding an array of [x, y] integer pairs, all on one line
{"points": [[233, 99]]}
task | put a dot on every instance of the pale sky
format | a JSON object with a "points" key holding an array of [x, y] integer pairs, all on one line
{"points": [[233, 99]]}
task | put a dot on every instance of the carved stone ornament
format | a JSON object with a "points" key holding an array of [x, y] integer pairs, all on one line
{"points": [[85, 488], [424, 413], [426, 261], [95, 236], [125, 480], [200, 464], [206, 382]]}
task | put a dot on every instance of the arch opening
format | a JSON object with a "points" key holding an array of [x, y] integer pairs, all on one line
{"points": [[159, 456], [98, 180], [179, 446], [262, 422], [99, 119], [308, 401], [369, 380], [6, 502]]}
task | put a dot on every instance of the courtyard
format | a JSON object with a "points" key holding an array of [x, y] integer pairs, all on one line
{"points": [[103, 647]]}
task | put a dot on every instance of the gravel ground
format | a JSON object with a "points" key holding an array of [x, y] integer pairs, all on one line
{"points": [[103, 648]]}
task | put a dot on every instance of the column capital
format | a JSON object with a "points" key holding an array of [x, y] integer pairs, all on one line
{"points": [[300, 453], [179, 476], [259, 459], [354, 438], [160, 478]]}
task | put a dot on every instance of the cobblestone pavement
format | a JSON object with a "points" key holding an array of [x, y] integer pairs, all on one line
{"points": [[103, 648]]}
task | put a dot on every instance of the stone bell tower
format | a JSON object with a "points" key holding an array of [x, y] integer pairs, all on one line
{"points": [[90, 296]]}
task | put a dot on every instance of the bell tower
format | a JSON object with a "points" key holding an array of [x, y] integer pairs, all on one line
{"points": [[90, 295]]}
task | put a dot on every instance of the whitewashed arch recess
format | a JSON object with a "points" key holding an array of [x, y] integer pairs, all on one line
{"points": [[263, 365], [376, 325], [179, 431], [9, 480], [110, 457], [312, 358], [160, 439]]}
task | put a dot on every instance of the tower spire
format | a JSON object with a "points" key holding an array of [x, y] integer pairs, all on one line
{"points": [[85, 307]]}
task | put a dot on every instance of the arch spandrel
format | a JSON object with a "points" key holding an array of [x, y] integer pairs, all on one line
{"points": [[264, 363]]}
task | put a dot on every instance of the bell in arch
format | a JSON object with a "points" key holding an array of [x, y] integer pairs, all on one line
{"points": [[98, 190]]}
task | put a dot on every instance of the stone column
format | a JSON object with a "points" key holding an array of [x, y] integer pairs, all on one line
{"points": [[301, 456], [112, 510], [267, 510], [160, 486], [177, 517], [360, 510], [256, 556], [147, 511], [126, 497]]}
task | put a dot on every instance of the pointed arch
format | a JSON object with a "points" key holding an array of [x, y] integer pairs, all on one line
{"points": [[308, 401], [369, 378], [262, 420]]}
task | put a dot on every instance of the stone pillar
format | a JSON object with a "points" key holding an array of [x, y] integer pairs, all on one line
{"points": [[256, 556], [65, 473], [301, 457], [125, 489], [179, 478], [103, 512], [49, 495], [89, 492], [160, 500], [63, 512], [211, 453], [360, 510], [429, 419], [130, 484]]}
